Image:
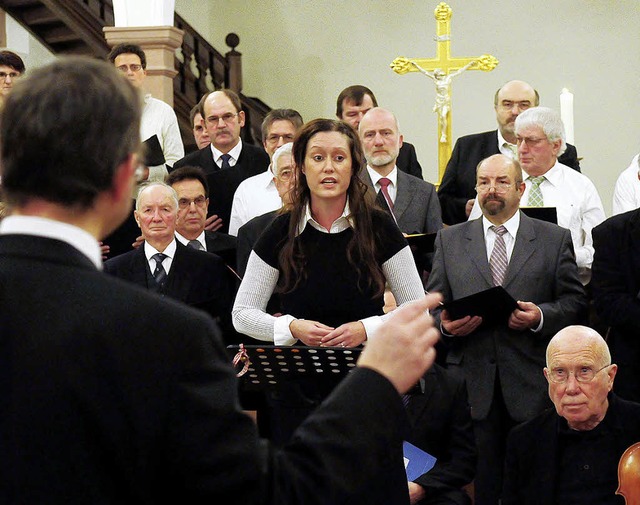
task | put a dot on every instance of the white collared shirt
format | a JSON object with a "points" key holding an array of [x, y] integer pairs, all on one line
{"points": [[234, 153], [255, 196], [342, 223], [158, 118], [393, 177], [503, 147], [626, 195], [170, 252], [512, 225], [76, 237], [200, 238]]}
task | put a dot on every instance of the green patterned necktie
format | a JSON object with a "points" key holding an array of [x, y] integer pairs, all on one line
{"points": [[535, 195]]}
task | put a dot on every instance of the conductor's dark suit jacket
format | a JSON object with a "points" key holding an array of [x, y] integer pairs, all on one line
{"points": [[114, 395], [252, 161], [459, 180]]}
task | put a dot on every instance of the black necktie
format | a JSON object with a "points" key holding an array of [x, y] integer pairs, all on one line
{"points": [[159, 274], [225, 161]]}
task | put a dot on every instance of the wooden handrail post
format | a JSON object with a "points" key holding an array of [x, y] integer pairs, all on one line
{"points": [[233, 75]]}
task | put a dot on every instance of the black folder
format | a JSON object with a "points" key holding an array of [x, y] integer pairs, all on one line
{"points": [[494, 305], [422, 242], [548, 214], [152, 152]]}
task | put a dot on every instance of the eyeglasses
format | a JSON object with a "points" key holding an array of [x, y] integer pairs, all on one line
{"points": [[583, 374], [286, 139], [508, 105], [200, 202], [498, 187], [13, 75], [227, 118], [531, 142], [285, 175], [125, 68]]}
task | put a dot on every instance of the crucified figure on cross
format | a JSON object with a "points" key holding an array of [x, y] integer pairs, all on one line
{"points": [[442, 80]]}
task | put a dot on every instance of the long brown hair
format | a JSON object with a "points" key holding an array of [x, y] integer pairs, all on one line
{"points": [[361, 249]]}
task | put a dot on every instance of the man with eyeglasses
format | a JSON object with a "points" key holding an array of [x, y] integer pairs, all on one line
{"points": [[540, 139], [11, 69], [164, 265], [158, 118], [190, 184], [534, 262], [227, 161], [258, 195], [457, 189], [570, 454]]}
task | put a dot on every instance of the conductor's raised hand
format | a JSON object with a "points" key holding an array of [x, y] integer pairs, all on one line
{"points": [[403, 347]]}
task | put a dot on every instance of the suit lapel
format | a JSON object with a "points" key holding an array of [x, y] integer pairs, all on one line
{"points": [[523, 249], [404, 195], [630, 248], [476, 249], [177, 285], [139, 267]]}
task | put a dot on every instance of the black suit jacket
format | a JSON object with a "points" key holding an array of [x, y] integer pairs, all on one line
{"points": [[252, 161], [459, 180], [531, 465], [223, 245], [441, 426], [615, 283], [196, 278], [407, 160], [114, 395]]}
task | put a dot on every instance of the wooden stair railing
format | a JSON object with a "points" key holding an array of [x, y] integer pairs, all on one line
{"points": [[75, 27]]}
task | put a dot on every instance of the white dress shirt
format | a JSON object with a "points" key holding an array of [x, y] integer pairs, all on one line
{"points": [[506, 148], [255, 196], [158, 118], [234, 153], [626, 195], [169, 252]]}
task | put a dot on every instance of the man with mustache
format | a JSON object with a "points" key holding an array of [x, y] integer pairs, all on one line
{"points": [[228, 160], [534, 262], [457, 190]]}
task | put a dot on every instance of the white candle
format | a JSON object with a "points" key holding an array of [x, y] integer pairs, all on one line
{"points": [[566, 113]]}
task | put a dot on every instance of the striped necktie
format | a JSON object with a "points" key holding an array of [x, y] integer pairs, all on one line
{"points": [[159, 274], [498, 261], [194, 244]]}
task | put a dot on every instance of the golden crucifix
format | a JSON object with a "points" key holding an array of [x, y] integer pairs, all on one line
{"points": [[441, 70]]}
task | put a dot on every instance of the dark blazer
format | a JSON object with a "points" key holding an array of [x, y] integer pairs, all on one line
{"points": [[223, 245], [441, 425], [615, 283], [252, 161], [196, 278], [459, 180], [542, 270], [114, 395], [408, 160], [248, 235], [531, 468]]}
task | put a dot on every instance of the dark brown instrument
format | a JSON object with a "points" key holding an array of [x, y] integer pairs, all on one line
{"points": [[629, 475]]}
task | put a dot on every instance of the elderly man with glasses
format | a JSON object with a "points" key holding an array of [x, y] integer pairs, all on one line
{"points": [[570, 454], [534, 262]]}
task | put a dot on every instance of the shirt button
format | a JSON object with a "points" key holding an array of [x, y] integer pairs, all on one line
{"points": [[586, 467]]}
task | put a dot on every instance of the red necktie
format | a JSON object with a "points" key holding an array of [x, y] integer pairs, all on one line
{"points": [[384, 187]]}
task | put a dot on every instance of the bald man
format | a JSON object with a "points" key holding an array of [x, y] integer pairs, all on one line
{"points": [[457, 189], [570, 453]]}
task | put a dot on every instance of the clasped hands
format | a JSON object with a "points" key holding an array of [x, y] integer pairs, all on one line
{"points": [[316, 334], [526, 316]]}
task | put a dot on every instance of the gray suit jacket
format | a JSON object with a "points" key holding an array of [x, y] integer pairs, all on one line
{"points": [[542, 270], [417, 208]]}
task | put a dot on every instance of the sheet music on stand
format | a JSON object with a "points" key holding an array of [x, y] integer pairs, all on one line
{"points": [[269, 364]]}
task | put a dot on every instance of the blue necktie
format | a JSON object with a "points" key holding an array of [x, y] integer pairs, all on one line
{"points": [[225, 161]]}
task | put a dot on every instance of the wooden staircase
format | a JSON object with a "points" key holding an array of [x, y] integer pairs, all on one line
{"points": [[75, 27]]}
